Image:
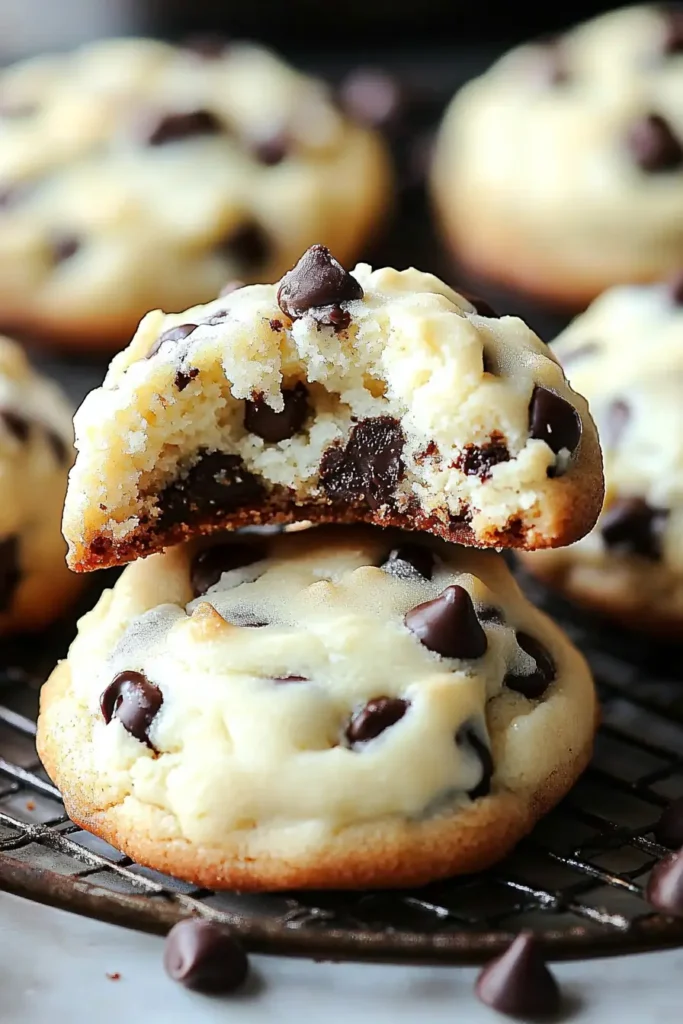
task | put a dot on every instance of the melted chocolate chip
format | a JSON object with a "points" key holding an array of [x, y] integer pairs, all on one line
{"points": [[653, 145], [209, 565], [16, 424], [173, 335], [672, 29], [468, 737], [372, 97], [665, 886], [518, 983], [632, 527], [537, 682], [10, 574], [369, 468], [553, 420], [618, 415], [669, 829], [475, 460], [377, 715], [249, 246], [205, 957], [230, 287], [272, 149], [184, 377], [216, 483], [449, 625], [318, 285], [410, 560], [173, 127], [134, 701], [273, 426], [63, 246]]}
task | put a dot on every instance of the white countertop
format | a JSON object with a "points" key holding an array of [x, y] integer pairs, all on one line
{"points": [[54, 966]]}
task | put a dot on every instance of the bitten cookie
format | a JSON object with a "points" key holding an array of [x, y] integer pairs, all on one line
{"points": [[36, 450], [560, 171], [136, 174], [377, 396], [626, 355], [339, 707]]}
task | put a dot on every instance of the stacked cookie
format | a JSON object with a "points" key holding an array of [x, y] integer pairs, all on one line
{"points": [[343, 705]]}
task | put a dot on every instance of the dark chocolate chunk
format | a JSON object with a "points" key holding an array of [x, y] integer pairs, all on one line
{"points": [[653, 145], [183, 377], [272, 149], [372, 97], [230, 287], [60, 449], [63, 246], [618, 415], [17, 424], [378, 714], [205, 957], [475, 460], [553, 420], [134, 701], [537, 682], [209, 565], [519, 983], [216, 483], [664, 889], [449, 625], [249, 246], [468, 737], [173, 127], [669, 829], [632, 527], [10, 574], [672, 29], [410, 559], [318, 285], [273, 426], [369, 468], [172, 335], [276, 325]]}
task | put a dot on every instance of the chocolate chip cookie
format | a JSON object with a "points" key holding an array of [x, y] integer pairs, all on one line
{"points": [[335, 707], [559, 172], [379, 396], [626, 355], [137, 174]]}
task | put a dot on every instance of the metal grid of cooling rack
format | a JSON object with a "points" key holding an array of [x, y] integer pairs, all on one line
{"points": [[577, 880]]}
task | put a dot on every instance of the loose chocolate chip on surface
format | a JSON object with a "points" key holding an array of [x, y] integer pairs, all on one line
{"points": [[16, 424], [377, 715], [669, 829], [215, 483], [134, 701], [205, 957], [249, 246], [665, 886], [270, 150], [618, 415], [633, 527], [273, 426], [10, 573], [230, 287], [63, 246], [372, 97], [449, 625], [467, 736], [653, 145], [519, 983], [318, 284], [369, 468], [553, 420], [184, 377], [209, 565], [410, 559], [537, 682], [475, 460], [172, 335], [173, 127]]}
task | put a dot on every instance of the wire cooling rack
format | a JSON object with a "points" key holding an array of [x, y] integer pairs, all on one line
{"points": [[577, 880]]}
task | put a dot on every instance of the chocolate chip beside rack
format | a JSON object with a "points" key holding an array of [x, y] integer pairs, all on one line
{"points": [[377, 715], [205, 957], [653, 146], [539, 679], [134, 701], [208, 565], [318, 285], [369, 467], [448, 625], [274, 426], [518, 983], [552, 419], [410, 559], [664, 889]]}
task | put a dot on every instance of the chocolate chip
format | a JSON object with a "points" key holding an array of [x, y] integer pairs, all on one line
{"points": [[173, 127], [491, 614], [377, 715], [553, 420], [276, 325], [318, 285], [63, 246], [665, 886], [208, 565], [481, 306], [618, 415], [270, 150], [184, 377], [478, 460], [290, 679], [172, 335], [16, 424], [249, 246], [273, 426], [410, 560], [467, 736], [216, 483], [134, 701], [632, 527], [372, 97], [672, 29], [369, 468], [518, 983], [449, 625], [60, 448], [230, 287], [669, 829], [653, 145], [10, 574], [205, 957], [537, 682]]}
